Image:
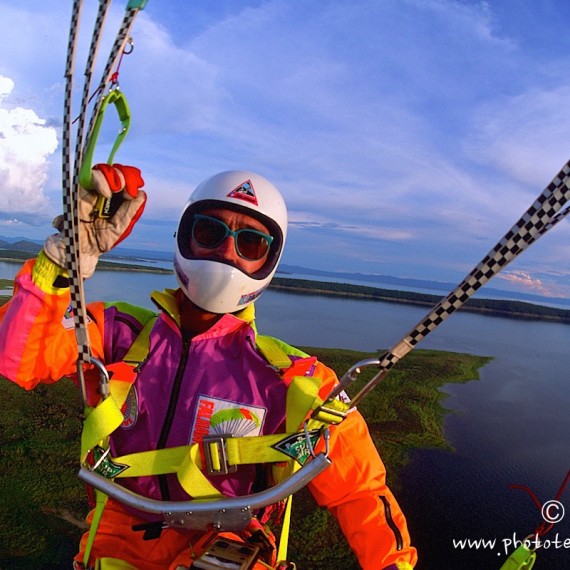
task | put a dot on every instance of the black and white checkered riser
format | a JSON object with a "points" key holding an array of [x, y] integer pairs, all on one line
{"points": [[537, 220]]}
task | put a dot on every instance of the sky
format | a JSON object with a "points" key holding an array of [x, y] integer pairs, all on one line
{"points": [[407, 136]]}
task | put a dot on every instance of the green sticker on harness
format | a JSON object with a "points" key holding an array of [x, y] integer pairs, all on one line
{"points": [[105, 466], [297, 445]]}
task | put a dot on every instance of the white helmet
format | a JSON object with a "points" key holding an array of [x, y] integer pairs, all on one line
{"points": [[217, 286]]}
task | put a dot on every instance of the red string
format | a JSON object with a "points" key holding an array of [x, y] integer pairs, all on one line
{"points": [[114, 80], [543, 527]]}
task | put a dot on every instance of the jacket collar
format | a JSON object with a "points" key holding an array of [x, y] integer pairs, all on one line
{"points": [[167, 301]]}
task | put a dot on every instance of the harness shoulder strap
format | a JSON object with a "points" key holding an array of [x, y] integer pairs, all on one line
{"points": [[102, 420], [277, 352], [139, 349]]}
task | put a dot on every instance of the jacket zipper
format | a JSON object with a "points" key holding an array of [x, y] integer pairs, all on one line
{"points": [[169, 418], [391, 523]]}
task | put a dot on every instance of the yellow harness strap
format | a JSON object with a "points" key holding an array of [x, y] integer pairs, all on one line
{"points": [[100, 502], [272, 352], [187, 461], [113, 564], [101, 421], [240, 451]]}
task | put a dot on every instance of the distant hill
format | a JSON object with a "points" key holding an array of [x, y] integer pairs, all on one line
{"points": [[375, 278], [13, 240], [419, 285], [20, 244], [25, 245], [32, 247]]}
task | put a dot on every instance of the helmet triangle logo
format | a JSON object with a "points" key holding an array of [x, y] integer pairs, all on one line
{"points": [[244, 192]]}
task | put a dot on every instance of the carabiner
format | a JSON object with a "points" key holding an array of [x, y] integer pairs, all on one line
{"points": [[523, 558], [104, 377], [118, 99]]}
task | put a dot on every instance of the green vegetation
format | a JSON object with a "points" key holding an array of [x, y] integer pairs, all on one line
{"points": [[21, 256], [5, 285], [495, 307], [41, 502], [404, 412], [39, 439]]}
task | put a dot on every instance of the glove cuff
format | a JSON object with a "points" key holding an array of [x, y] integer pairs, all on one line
{"points": [[54, 249], [49, 277]]}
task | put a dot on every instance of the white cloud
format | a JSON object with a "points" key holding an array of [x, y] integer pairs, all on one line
{"points": [[525, 136], [522, 280], [26, 144], [6, 87]]}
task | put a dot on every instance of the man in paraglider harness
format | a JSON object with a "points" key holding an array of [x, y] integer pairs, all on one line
{"points": [[205, 402]]}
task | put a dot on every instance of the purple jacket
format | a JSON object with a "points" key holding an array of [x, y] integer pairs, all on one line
{"points": [[215, 383]]}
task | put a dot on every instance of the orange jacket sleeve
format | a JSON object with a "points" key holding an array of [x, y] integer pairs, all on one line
{"points": [[37, 339], [354, 489]]}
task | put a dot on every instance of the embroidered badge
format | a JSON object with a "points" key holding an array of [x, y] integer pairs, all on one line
{"points": [[130, 409], [67, 319], [250, 297], [217, 416], [244, 192], [297, 447]]}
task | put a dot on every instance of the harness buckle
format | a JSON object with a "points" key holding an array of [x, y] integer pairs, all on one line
{"points": [[216, 454], [227, 553]]}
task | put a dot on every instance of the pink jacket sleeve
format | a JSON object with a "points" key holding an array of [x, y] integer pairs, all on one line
{"points": [[37, 340]]}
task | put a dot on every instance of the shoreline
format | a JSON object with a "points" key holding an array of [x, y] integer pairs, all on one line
{"points": [[490, 307]]}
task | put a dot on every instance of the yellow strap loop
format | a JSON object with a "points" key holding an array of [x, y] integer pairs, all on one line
{"points": [[272, 352], [100, 422], [100, 502], [302, 396], [113, 564]]}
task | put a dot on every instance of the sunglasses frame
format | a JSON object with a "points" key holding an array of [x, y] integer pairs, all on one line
{"points": [[229, 232]]}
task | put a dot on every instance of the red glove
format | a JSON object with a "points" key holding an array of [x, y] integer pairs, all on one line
{"points": [[116, 178], [96, 234]]}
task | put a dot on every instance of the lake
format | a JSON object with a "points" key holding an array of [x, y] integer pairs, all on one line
{"points": [[510, 427]]}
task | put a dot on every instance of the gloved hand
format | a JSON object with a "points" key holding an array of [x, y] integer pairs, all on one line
{"points": [[98, 235]]}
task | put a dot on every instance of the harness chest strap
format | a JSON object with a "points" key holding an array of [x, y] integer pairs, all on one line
{"points": [[224, 454]]}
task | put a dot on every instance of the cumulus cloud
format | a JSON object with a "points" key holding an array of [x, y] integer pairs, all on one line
{"points": [[10, 222], [527, 282], [26, 143]]}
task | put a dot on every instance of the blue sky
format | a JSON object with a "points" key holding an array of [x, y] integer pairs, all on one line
{"points": [[407, 136]]}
